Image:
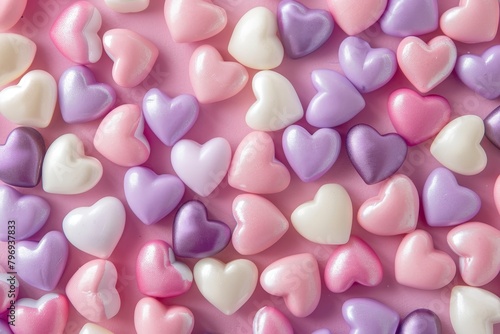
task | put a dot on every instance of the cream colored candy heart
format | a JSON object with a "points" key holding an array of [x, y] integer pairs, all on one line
{"points": [[127, 6], [90, 328], [17, 53], [67, 170], [327, 219], [226, 286], [32, 101], [458, 145], [254, 42], [277, 105]]}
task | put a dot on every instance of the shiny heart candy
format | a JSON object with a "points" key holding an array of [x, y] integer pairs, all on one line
{"points": [[127, 6], [410, 17], [90, 328], [365, 315], [17, 53], [153, 317], [420, 321], [269, 320], [10, 13], [492, 127], [356, 15]]}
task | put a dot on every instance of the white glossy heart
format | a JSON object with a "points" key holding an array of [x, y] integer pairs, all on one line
{"points": [[127, 6], [17, 53], [90, 328]]}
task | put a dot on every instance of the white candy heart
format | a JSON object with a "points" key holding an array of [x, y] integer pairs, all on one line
{"points": [[254, 42], [226, 286], [90, 328], [17, 53], [32, 101], [327, 219], [127, 6], [458, 145], [97, 229], [277, 105], [66, 169]]}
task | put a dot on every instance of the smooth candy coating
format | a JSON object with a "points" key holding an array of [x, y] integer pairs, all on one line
{"points": [[354, 16], [404, 18], [420, 321], [90, 328], [269, 320], [368, 316], [10, 13], [127, 6], [492, 127], [17, 53], [153, 317], [7, 283]]}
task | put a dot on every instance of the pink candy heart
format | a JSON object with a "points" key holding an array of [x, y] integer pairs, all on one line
{"points": [[152, 317], [354, 16], [269, 320], [10, 13]]}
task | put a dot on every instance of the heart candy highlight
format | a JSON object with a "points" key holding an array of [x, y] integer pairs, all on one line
{"points": [[17, 53], [404, 18], [420, 321], [153, 317], [492, 127], [356, 15], [269, 320], [127, 6], [365, 315], [10, 13]]}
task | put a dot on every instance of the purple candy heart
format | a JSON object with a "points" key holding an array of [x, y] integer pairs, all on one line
{"points": [[21, 157], [170, 119], [374, 156], [303, 30], [492, 127], [150, 196], [311, 156], [481, 73], [368, 316], [81, 98], [41, 264], [421, 321], [193, 235], [367, 68], [410, 17], [445, 202], [29, 212], [336, 102]]}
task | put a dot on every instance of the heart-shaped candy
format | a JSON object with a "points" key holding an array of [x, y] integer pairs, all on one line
{"points": [[159, 274], [41, 264], [201, 167], [336, 102], [410, 17], [81, 97], [226, 286], [214, 79], [127, 6], [492, 127], [254, 42], [354, 16], [74, 33], [132, 54], [426, 65], [90, 328], [295, 278], [10, 13], [153, 317], [352, 262], [458, 145], [260, 224], [445, 202], [120, 136], [277, 105], [327, 219], [17, 53], [254, 167], [365, 315], [92, 292], [269, 320], [416, 251], [193, 235], [9, 290], [31, 102], [375, 157], [394, 210], [420, 321], [66, 169], [303, 30], [97, 229], [151, 196]]}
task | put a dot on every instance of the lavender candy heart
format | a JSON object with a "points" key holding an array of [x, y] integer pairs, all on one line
{"points": [[303, 30], [21, 157], [410, 17], [311, 156], [367, 68], [492, 127], [421, 321], [194, 236], [169, 118], [41, 264], [150, 196], [374, 156], [445, 202], [336, 102], [368, 316], [481, 73], [29, 213], [81, 97]]}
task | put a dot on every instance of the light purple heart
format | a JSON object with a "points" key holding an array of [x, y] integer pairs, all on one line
{"points": [[169, 118], [41, 264], [81, 97], [303, 30], [410, 17], [445, 202], [29, 212], [336, 102], [367, 68], [421, 321], [311, 156], [492, 127], [151, 196], [374, 156], [481, 73], [368, 316]]}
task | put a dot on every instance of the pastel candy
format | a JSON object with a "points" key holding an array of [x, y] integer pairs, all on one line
{"points": [[10, 13], [410, 17], [492, 127], [269, 320], [356, 15], [368, 316], [127, 6], [90, 328], [153, 317], [17, 53], [420, 321]]}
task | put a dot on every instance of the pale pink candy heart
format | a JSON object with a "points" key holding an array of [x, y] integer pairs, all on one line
{"points": [[9, 289], [295, 278], [496, 193], [394, 210], [478, 246], [269, 320], [354, 16], [152, 317], [214, 79], [472, 21], [260, 224], [426, 65], [419, 265], [10, 13]]}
